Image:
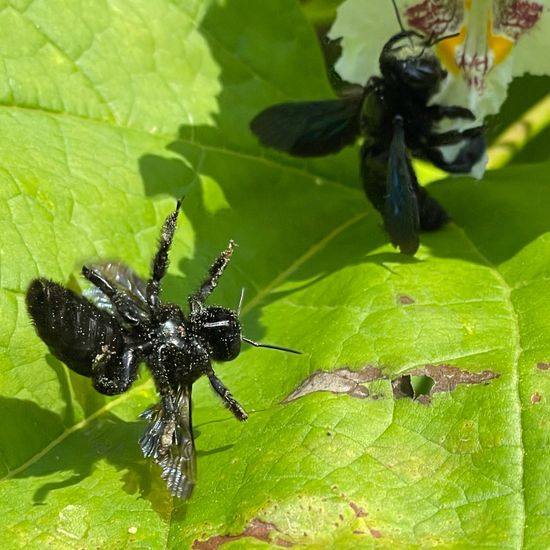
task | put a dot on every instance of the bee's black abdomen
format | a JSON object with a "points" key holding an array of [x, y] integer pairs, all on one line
{"points": [[432, 214], [76, 331]]}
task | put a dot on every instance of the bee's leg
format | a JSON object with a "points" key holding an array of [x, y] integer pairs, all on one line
{"points": [[161, 432], [452, 137], [471, 152], [112, 375], [125, 306], [437, 112], [155, 362], [229, 401], [160, 261], [209, 284]]}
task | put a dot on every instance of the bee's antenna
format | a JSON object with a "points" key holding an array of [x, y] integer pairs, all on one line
{"points": [[441, 38], [399, 20], [270, 346], [240, 302], [434, 39], [397, 14]]}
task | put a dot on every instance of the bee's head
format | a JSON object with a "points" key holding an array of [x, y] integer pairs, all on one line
{"points": [[220, 329], [407, 60]]}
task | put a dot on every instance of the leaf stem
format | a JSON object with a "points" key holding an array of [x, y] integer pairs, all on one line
{"points": [[517, 135]]}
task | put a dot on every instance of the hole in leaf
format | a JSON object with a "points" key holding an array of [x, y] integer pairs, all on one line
{"points": [[402, 387], [416, 386], [422, 385]]}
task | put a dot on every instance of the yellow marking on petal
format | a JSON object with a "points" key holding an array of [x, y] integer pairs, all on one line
{"points": [[473, 40], [500, 45], [446, 50]]}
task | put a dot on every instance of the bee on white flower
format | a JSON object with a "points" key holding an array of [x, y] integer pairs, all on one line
{"points": [[482, 44]]}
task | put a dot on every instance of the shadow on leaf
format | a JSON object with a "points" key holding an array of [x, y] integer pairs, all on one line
{"points": [[42, 446]]}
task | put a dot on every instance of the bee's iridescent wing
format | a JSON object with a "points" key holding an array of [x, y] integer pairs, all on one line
{"points": [[170, 443], [310, 128], [130, 286], [400, 213]]}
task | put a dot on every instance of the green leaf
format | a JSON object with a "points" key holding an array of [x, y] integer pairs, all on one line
{"points": [[111, 110], [320, 12]]}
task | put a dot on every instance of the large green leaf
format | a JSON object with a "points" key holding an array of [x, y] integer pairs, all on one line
{"points": [[109, 110]]}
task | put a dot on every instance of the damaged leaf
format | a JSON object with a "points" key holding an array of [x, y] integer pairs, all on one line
{"points": [[421, 383], [339, 381], [447, 377]]}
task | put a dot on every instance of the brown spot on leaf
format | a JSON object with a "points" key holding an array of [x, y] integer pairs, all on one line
{"points": [[423, 399], [257, 529], [283, 543], [339, 381], [375, 533], [543, 366], [535, 398], [445, 378], [405, 300], [359, 512]]}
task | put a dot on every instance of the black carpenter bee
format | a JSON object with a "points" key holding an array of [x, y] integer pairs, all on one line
{"points": [[393, 114], [122, 323]]}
